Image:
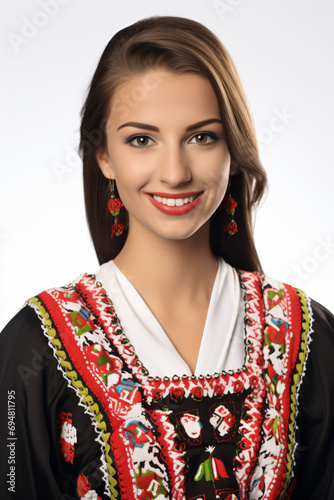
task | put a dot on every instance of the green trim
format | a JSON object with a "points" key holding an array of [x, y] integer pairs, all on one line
{"points": [[78, 385], [295, 383]]}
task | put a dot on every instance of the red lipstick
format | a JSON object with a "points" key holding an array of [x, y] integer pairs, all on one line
{"points": [[175, 196], [175, 210]]}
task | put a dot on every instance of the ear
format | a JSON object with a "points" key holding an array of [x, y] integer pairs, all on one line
{"points": [[104, 162], [233, 167]]}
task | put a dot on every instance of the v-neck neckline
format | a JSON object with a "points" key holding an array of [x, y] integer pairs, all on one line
{"points": [[159, 327], [253, 326], [132, 306]]}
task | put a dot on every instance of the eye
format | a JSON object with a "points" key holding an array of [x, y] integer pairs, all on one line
{"points": [[139, 141], [203, 138]]}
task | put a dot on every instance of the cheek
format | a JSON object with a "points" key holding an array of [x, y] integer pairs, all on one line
{"points": [[218, 185], [125, 189], [219, 178], [129, 183], [129, 176], [217, 170]]}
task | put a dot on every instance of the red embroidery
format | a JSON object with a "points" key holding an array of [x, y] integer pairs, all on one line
{"points": [[84, 487], [90, 332], [67, 436]]}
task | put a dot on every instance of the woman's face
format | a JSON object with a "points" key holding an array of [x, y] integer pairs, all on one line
{"points": [[167, 152]]}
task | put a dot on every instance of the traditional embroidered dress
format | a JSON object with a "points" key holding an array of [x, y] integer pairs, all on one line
{"points": [[92, 422]]}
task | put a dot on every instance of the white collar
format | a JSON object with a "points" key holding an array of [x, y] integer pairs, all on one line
{"points": [[222, 345]]}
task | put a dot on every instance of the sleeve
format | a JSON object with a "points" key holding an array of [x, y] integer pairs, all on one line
{"points": [[29, 382], [315, 437]]}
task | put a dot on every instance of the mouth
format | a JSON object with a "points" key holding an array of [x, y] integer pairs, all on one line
{"points": [[178, 201], [175, 204]]}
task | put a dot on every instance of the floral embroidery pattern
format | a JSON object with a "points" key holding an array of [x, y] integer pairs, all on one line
{"points": [[270, 472], [85, 490], [67, 435]]}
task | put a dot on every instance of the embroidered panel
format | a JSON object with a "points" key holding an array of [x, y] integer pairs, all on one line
{"points": [[227, 435]]}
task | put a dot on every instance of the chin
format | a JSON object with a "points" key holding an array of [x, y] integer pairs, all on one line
{"points": [[177, 237], [180, 233]]}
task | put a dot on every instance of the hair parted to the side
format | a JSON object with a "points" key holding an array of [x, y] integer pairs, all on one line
{"points": [[179, 45]]}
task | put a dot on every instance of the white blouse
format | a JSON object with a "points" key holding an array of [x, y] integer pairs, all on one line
{"points": [[222, 344]]}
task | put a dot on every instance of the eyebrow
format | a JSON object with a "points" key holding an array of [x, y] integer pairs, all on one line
{"points": [[146, 126]]}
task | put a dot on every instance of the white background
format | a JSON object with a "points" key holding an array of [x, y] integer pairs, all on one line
{"points": [[283, 50]]}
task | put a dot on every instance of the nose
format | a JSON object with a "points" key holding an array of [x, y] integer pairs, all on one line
{"points": [[175, 168]]}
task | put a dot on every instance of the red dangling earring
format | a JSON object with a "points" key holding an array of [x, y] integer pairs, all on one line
{"points": [[230, 205], [114, 206]]}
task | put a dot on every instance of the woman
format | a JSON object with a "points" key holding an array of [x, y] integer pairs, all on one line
{"points": [[179, 370]]}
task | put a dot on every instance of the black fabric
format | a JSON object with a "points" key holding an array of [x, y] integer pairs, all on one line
{"points": [[315, 453], [33, 377], [27, 367]]}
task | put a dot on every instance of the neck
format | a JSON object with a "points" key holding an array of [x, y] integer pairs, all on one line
{"points": [[158, 268]]}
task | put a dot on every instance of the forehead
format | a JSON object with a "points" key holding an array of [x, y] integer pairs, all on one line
{"points": [[161, 94]]}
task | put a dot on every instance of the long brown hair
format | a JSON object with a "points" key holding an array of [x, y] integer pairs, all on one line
{"points": [[180, 45]]}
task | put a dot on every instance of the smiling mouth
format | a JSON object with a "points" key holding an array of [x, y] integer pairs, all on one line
{"points": [[175, 202]]}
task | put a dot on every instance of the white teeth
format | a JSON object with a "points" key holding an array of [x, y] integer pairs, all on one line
{"points": [[172, 202]]}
